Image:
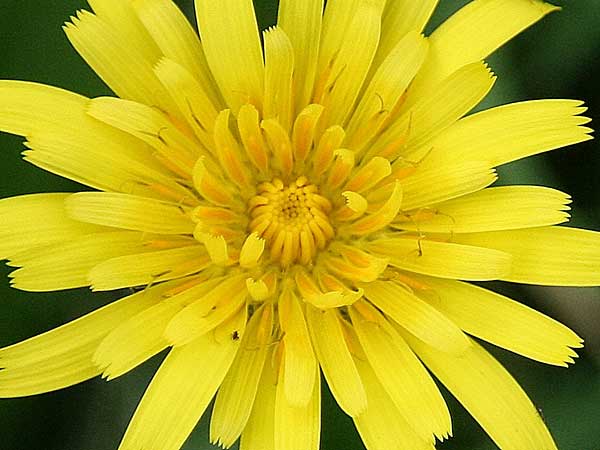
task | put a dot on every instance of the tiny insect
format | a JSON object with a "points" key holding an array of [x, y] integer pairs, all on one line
{"points": [[235, 335]]}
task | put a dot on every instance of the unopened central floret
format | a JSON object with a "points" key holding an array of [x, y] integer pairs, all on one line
{"points": [[293, 220]]}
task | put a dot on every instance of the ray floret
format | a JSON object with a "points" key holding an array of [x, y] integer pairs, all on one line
{"points": [[317, 201]]}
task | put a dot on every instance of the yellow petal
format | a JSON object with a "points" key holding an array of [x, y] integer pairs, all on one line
{"points": [[401, 374], [68, 142], [474, 32], [330, 141], [355, 205], [251, 134], [216, 247], [31, 107], [552, 256], [212, 215], [298, 427], [490, 395], [251, 250], [259, 433], [141, 336], [399, 18], [230, 38], [211, 187], [208, 311], [433, 113], [177, 40], [431, 185], [122, 17], [147, 268], [339, 296], [257, 289], [124, 68], [177, 395], [281, 147], [381, 426], [343, 163], [416, 316], [129, 212], [504, 322], [347, 68], [333, 299], [491, 209], [66, 265], [386, 88], [355, 265], [336, 361], [301, 21], [192, 98], [355, 202], [299, 363], [30, 221], [279, 70], [149, 125], [510, 132], [230, 154], [236, 395], [368, 174], [304, 131], [380, 218], [63, 356], [444, 259], [336, 20]]}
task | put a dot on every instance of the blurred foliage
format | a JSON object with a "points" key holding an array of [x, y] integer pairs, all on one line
{"points": [[558, 57]]}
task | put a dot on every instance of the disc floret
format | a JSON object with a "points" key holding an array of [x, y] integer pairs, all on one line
{"points": [[293, 219]]}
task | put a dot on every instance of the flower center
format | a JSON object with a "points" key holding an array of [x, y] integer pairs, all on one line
{"points": [[293, 220]]}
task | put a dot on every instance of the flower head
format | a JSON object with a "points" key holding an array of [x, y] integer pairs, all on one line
{"points": [[300, 206]]}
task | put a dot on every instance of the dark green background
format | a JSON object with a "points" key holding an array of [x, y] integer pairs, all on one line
{"points": [[557, 58]]}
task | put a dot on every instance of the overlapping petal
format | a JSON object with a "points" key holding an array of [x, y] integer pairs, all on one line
{"points": [[299, 205]]}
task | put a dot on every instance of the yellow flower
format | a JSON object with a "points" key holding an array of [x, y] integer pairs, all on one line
{"points": [[303, 206]]}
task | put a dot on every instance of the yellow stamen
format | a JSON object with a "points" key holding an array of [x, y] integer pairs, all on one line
{"points": [[293, 220]]}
